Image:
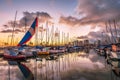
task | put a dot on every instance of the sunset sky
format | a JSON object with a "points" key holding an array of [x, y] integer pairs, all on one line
{"points": [[80, 18]]}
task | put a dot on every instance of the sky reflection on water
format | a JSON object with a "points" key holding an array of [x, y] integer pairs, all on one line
{"points": [[72, 66]]}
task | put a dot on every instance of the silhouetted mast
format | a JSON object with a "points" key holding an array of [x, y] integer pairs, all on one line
{"points": [[115, 30], [12, 39], [111, 33], [107, 36], [25, 24]]}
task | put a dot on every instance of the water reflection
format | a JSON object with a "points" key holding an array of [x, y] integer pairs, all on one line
{"points": [[83, 65]]}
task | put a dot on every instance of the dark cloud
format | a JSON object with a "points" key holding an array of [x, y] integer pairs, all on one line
{"points": [[29, 17], [93, 12], [6, 26], [10, 31], [93, 36], [11, 24], [82, 37], [71, 21], [98, 10], [26, 20]]}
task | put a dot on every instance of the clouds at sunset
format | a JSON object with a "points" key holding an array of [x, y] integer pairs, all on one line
{"points": [[28, 18], [10, 31], [98, 10], [78, 17], [82, 37], [70, 21], [93, 36], [93, 12]]}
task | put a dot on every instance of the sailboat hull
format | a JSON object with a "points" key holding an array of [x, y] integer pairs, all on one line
{"points": [[10, 57]]}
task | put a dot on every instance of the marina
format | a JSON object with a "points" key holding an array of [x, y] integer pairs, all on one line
{"points": [[59, 40], [69, 66]]}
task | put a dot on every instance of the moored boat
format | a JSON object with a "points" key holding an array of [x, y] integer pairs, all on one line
{"points": [[11, 55]]}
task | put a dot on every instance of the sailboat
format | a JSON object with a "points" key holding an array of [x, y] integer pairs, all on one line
{"points": [[29, 34], [10, 54], [114, 56]]}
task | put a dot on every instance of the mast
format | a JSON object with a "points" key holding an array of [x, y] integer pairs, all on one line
{"points": [[46, 33], [41, 35], [36, 31], [118, 28], [12, 38], [8, 39], [68, 37], [52, 32], [52, 35], [48, 37], [112, 33], [107, 36], [36, 36], [62, 38], [25, 24], [58, 34], [115, 29], [59, 37], [102, 38]]}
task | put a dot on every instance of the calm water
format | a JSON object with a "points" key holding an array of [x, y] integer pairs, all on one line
{"points": [[83, 65]]}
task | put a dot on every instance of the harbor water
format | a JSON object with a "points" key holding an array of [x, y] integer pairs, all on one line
{"points": [[83, 65]]}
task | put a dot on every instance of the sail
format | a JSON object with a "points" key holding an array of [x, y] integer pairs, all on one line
{"points": [[29, 33], [26, 71]]}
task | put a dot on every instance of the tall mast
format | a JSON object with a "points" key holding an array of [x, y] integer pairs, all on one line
{"points": [[52, 32], [118, 28], [115, 30], [25, 24], [102, 38], [51, 35], [48, 36], [112, 33], [8, 39], [62, 38], [59, 37], [107, 36], [68, 37], [41, 36], [36, 32], [12, 38], [46, 33]]}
